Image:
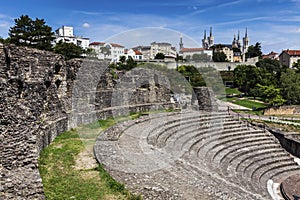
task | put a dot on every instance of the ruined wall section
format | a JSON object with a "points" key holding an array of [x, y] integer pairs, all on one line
{"points": [[33, 86], [38, 91]]}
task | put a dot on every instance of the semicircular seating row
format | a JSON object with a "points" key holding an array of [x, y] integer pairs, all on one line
{"points": [[217, 143]]}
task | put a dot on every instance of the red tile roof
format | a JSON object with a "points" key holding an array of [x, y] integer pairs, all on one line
{"points": [[137, 52], [102, 43], [97, 43], [293, 52], [116, 45], [192, 49]]}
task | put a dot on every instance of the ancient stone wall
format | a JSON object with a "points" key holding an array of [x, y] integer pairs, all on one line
{"points": [[283, 110], [288, 140], [203, 99], [32, 85], [39, 94]]}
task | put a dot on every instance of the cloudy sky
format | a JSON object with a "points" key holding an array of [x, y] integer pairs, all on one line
{"points": [[273, 23]]}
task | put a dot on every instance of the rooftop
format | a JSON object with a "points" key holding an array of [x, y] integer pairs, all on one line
{"points": [[292, 52]]}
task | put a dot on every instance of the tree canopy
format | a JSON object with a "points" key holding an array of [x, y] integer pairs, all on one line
{"points": [[219, 57], [159, 56], [32, 33], [69, 50], [254, 51]]}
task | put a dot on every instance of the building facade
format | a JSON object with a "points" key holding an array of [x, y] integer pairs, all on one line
{"points": [[162, 47], [289, 57], [145, 50], [135, 54], [108, 51], [235, 52], [66, 34]]}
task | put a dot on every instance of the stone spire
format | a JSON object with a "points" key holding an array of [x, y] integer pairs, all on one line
{"points": [[181, 42], [210, 38]]}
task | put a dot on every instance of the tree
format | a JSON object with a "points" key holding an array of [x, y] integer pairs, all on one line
{"points": [[32, 33], [290, 86], [122, 59], [219, 57], [192, 75], [296, 65], [270, 95], [270, 71], [254, 51], [246, 77], [69, 50], [159, 56], [91, 53]]}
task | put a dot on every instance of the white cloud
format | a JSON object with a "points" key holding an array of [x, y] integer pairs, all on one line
{"points": [[86, 25]]}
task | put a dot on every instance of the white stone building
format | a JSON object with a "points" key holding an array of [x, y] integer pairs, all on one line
{"points": [[145, 50], [66, 34], [162, 47], [108, 51], [135, 54], [289, 57]]}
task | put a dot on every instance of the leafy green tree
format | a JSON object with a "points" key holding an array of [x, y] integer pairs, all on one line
{"points": [[254, 51], [270, 95], [179, 58], [290, 86], [122, 59], [246, 77], [32, 33], [192, 75], [270, 71], [130, 63], [69, 50], [219, 57], [159, 56], [124, 64], [91, 53], [296, 65]]}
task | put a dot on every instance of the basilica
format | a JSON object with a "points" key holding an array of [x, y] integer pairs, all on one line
{"points": [[235, 52]]}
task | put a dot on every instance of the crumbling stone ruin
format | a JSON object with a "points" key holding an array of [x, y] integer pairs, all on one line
{"points": [[188, 154], [38, 97]]}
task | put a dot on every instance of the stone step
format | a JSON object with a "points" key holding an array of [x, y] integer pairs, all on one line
{"points": [[275, 169], [249, 165], [223, 153], [164, 130], [207, 136], [185, 133], [224, 140]]}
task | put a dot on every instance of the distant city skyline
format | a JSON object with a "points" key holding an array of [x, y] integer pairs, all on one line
{"points": [[273, 23]]}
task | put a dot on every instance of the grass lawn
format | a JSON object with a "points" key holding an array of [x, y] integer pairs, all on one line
{"points": [[232, 91], [250, 104], [62, 179]]}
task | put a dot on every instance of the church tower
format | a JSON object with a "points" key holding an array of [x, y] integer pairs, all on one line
{"points": [[234, 42], [210, 38], [205, 43], [180, 43], [245, 42]]}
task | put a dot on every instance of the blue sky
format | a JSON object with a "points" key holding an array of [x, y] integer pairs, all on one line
{"points": [[274, 23]]}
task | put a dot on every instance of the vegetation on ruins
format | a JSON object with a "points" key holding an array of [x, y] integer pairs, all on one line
{"points": [[32, 33], [63, 180], [124, 64]]}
